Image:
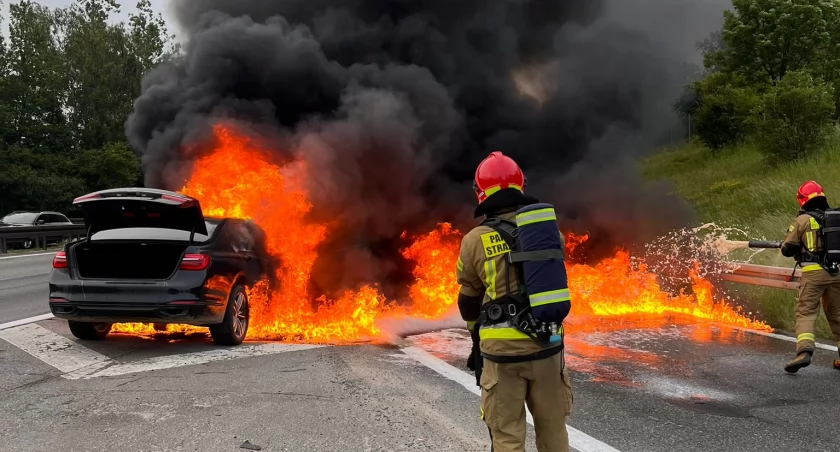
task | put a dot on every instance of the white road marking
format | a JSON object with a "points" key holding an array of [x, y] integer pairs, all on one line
{"points": [[27, 255], [76, 361], [787, 338], [189, 359], [577, 439], [53, 349], [37, 318]]}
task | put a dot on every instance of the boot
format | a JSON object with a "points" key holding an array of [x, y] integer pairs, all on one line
{"points": [[803, 359], [837, 363]]}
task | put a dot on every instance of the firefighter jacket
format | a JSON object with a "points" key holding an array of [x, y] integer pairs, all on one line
{"points": [[481, 272], [803, 240]]}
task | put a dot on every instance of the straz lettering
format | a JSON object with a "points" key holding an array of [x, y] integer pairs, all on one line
{"points": [[493, 244]]}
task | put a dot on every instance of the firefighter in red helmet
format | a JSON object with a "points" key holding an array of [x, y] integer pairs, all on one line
{"points": [[511, 368], [806, 242]]}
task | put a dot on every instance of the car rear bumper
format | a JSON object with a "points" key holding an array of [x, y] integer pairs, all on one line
{"points": [[186, 312]]}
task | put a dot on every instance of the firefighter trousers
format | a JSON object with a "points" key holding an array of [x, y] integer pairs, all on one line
{"points": [[816, 286], [543, 385]]}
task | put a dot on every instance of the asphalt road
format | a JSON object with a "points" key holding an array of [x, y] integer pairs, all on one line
{"points": [[23, 287], [701, 387]]}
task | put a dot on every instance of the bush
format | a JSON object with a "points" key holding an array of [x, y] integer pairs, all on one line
{"points": [[725, 104], [794, 118]]}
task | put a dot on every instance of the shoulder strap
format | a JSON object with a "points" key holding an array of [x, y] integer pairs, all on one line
{"points": [[506, 228], [509, 231]]}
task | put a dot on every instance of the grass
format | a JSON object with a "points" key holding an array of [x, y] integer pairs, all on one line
{"points": [[734, 188]]}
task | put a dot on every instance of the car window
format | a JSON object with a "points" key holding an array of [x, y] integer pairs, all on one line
{"points": [[240, 238], [20, 218], [53, 218]]}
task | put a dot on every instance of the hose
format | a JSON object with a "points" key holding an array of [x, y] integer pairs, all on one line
{"points": [[764, 244]]}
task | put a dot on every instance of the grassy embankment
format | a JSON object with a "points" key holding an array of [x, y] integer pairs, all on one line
{"points": [[734, 188]]}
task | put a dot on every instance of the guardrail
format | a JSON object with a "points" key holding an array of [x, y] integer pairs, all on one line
{"points": [[764, 275], [40, 235]]}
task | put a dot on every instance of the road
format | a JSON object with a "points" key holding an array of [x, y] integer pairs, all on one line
{"points": [[700, 387], [23, 289]]}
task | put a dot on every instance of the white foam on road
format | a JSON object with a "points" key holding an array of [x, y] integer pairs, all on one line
{"points": [[26, 255], [53, 349], [12, 324], [577, 439]]}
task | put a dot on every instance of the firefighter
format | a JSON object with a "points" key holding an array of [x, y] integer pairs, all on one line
{"points": [[512, 368], [806, 243]]}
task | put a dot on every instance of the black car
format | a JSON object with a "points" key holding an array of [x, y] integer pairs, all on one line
{"points": [[22, 218], [150, 256]]}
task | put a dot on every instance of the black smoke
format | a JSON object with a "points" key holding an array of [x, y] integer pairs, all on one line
{"points": [[394, 103]]}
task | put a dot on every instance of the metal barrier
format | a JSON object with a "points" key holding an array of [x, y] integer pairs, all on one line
{"points": [[39, 234], [764, 275]]}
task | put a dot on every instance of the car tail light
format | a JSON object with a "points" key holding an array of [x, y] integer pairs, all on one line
{"points": [[195, 262], [60, 260]]}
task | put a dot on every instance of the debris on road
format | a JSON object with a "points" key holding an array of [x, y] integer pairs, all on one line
{"points": [[247, 445]]}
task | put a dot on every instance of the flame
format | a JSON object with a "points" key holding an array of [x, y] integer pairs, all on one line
{"points": [[239, 180]]}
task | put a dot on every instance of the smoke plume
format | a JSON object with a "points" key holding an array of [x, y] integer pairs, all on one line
{"points": [[394, 103]]}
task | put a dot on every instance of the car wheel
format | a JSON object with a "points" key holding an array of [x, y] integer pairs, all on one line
{"points": [[27, 244], [234, 327], [89, 331]]}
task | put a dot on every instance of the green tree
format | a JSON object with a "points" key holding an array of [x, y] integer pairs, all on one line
{"points": [[35, 80], [766, 39], [105, 64], [68, 79], [722, 109], [114, 165], [793, 118]]}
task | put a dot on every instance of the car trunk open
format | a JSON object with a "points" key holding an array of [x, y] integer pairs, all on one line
{"points": [[127, 260], [135, 257], [141, 208]]}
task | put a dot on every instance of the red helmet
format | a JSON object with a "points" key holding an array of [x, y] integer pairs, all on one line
{"points": [[497, 172], [808, 191]]}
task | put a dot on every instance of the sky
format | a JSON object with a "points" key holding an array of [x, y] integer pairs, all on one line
{"points": [[127, 6]]}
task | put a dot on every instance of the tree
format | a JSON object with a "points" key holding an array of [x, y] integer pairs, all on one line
{"points": [[722, 109], [105, 64], [793, 118], [68, 79], [766, 39]]}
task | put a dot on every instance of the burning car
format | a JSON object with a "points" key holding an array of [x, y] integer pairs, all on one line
{"points": [[150, 256]]}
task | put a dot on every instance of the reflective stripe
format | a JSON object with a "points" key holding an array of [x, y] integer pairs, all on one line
{"points": [[460, 265], [809, 240], [505, 330], [814, 224], [490, 190], [552, 296], [535, 216], [805, 337], [811, 267], [501, 332], [490, 278]]}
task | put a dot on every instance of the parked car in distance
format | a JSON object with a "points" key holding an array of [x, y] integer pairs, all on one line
{"points": [[20, 218], [152, 257]]}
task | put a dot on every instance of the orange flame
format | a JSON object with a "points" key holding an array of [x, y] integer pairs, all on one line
{"points": [[238, 180]]}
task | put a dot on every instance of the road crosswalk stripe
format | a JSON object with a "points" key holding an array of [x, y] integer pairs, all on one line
{"points": [[54, 349]]}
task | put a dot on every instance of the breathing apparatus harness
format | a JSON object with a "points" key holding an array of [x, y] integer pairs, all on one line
{"points": [[829, 233], [515, 307]]}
